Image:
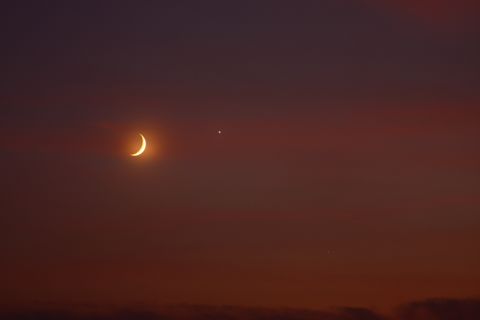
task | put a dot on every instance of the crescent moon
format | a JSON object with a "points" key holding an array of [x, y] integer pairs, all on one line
{"points": [[142, 147]]}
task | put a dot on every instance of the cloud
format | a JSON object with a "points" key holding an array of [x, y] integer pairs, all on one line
{"points": [[433, 309], [358, 314], [439, 13], [62, 139], [440, 309]]}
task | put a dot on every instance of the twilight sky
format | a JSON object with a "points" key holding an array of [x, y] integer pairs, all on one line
{"points": [[347, 171]]}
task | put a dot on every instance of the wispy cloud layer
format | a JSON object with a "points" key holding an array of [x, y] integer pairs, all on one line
{"points": [[433, 309]]}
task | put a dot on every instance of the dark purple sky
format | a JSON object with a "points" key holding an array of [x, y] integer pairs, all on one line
{"points": [[347, 171]]}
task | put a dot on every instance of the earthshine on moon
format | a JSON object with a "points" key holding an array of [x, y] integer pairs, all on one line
{"points": [[142, 147]]}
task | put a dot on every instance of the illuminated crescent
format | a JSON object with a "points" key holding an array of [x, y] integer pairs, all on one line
{"points": [[142, 147]]}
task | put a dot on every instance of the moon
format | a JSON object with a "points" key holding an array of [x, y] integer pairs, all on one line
{"points": [[142, 147]]}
